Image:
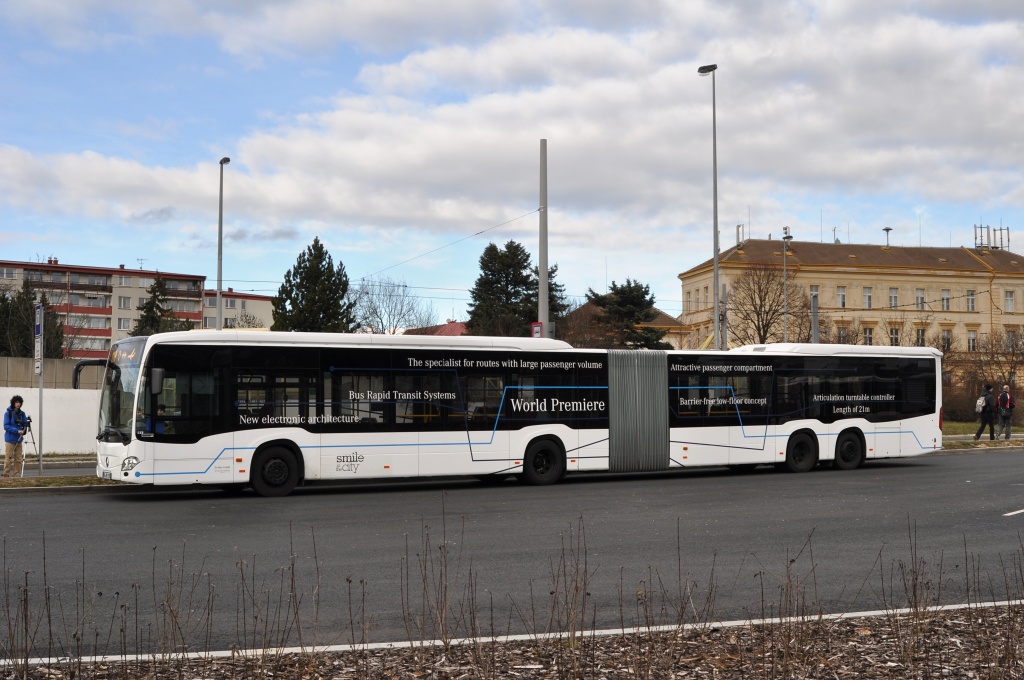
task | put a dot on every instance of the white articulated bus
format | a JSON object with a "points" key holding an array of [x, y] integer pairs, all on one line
{"points": [[275, 410]]}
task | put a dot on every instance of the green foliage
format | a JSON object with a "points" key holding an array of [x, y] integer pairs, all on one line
{"points": [[504, 297], [17, 325], [155, 316], [314, 295], [624, 308]]}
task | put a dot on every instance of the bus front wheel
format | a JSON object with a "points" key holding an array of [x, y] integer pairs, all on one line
{"points": [[800, 453], [849, 451], [274, 472], [544, 463]]}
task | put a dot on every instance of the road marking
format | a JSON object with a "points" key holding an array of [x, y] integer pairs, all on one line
{"points": [[1015, 512]]}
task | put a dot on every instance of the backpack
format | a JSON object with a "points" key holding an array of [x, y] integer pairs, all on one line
{"points": [[979, 405]]}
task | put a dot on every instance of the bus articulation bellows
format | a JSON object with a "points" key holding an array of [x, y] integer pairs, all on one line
{"points": [[275, 410]]}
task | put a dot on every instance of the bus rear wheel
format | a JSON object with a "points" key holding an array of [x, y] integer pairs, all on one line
{"points": [[801, 455], [544, 463], [275, 472], [849, 452]]}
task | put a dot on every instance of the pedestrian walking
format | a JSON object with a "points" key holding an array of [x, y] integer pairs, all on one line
{"points": [[1004, 408], [15, 427], [986, 409]]}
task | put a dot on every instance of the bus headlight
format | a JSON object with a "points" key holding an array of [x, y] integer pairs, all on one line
{"points": [[129, 463]]}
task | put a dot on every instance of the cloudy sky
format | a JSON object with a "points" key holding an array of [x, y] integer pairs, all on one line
{"points": [[398, 131]]}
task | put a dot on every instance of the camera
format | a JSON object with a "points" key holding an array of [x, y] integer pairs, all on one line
{"points": [[28, 423]]}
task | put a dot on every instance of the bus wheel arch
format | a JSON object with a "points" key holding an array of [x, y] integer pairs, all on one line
{"points": [[544, 461], [801, 451], [850, 450], [276, 469]]}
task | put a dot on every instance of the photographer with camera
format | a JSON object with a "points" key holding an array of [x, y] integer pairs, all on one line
{"points": [[16, 424]]}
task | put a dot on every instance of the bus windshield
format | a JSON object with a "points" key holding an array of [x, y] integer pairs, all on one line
{"points": [[118, 392]]}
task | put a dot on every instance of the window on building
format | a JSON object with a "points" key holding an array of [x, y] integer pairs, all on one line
{"points": [[970, 300], [706, 298], [123, 280], [230, 322], [211, 301], [145, 282], [894, 298], [142, 301], [8, 273], [972, 341], [945, 300], [920, 339], [57, 277], [947, 339], [229, 303], [209, 322], [867, 298], [124, 324], [124, 302], [842, 335], [1011, 339], [243, 304], [919, 298], [869, 336], [894, 337], [1008, 305], [688, 309], [841, 297]]}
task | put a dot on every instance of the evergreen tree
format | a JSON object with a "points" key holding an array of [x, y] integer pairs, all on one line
{"points": [[624, 308], [155, 315], [314, 295], [504, 297], [17, 325]]}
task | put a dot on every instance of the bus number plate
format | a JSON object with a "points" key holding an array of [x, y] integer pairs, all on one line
{"points": [[107, 475]]}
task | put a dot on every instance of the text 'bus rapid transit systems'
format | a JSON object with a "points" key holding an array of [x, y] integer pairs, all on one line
{"points": [[275, 410]]}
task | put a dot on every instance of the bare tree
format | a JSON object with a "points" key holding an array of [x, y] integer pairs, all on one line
{"points": [[756, 305], [387, 307], [248, 320]]}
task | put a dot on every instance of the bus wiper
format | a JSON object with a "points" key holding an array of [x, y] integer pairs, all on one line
{"points": [[108, 430]]}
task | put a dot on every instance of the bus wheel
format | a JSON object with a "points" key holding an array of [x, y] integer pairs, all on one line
{"points": [[849, 452], [800, 453], [544, 463], [274, 472]]}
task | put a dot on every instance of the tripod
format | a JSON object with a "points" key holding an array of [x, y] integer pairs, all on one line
{"points": [[28, 431]]}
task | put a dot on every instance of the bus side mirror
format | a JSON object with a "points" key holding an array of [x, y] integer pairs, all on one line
{"points": [[156, 381]]}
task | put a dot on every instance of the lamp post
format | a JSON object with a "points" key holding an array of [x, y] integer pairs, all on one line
{"points": [[703, 71], [786, 238], [220, 243]]}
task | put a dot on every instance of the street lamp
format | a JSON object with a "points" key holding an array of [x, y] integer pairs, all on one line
{"points": [[220, 243], [703, 71], [786, 238]]}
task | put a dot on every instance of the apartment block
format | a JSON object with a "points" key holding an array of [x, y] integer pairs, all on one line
{"points": [[99, 305]]}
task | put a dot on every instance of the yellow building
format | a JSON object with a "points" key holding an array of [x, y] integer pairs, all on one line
{"points": [[954, 298]]}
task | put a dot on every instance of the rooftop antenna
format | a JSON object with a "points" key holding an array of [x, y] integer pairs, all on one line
{"points": [[887, 230], [140, 260]]}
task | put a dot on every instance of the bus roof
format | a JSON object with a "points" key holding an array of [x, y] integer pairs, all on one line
{"points": [[816, 349], [232, 337]]}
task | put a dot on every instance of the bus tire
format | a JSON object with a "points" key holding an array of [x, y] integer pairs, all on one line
{"points": [[849, 451], [801, 455], [544, 463], [275, 472]]}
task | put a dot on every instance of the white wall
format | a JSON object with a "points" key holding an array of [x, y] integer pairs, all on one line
{"points": [[68, 420]]}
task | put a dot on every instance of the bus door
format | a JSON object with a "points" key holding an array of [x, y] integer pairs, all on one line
{"points": [[748, 399], [182, 423], [886, 408], [919, 419], [456, 413], [366, 430]]}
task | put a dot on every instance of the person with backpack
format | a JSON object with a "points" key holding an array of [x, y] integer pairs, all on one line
{"points": [[1004, 407], [985, 407]]}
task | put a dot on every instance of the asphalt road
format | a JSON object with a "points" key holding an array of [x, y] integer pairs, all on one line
{"points": [[143, 570]]}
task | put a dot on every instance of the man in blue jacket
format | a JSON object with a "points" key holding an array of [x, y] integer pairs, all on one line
{"points": [[15, 426]]}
